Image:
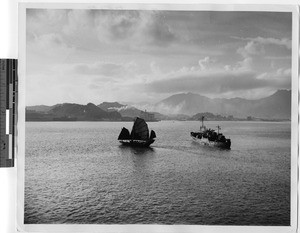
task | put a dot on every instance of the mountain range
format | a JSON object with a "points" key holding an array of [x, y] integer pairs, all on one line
{"points": [[179, 106], [68, 111], [124, 110], [275, 106]]}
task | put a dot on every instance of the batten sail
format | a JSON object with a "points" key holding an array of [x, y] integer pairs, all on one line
{"points": [[139, 136], [140, 130], [152, 134], [124, 135]]}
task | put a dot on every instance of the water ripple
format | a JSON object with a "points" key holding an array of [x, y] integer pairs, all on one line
{"points": [[78, 173]]}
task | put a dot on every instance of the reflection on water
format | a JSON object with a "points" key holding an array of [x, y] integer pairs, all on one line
{"points": [[77, 172], [209, 148], [137, 150]]}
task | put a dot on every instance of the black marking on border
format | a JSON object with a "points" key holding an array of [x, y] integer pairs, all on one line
{"points": [[8, 110]]}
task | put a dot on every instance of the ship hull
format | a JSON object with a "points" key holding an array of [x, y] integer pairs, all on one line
{"points": [[137, 143], [206, 142]]}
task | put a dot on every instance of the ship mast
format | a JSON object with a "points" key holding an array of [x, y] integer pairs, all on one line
{"points": [[218, 127], [202, 126]]}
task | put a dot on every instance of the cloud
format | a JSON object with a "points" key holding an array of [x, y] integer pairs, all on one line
{"points": [[284, 72], [281, 42], [167, 109], [105, 69], [218, 82], [259, 49], [52, 40], [246, 64], [119, 27], [122, 54], [49, 45], [155, 69], [159, 32], [252, 48], [77, 21], [106, 31], [285, 42], [206, 62], [43, 21], [115, 25]]}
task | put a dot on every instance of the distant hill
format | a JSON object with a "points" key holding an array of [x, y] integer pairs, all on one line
{"points": [[39, 108], [84, 112], [32, 115], [126, 110], [210, 117], [277, 105], [184, 103], [110, 106], [68, 111], [176, 107]]}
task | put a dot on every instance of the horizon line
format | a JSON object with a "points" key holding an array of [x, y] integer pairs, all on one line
{"points": [[120, 102]]}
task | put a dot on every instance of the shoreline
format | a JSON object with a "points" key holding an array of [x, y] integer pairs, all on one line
{"points": [[238, 120]]}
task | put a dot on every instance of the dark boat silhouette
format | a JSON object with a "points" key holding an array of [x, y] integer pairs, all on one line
{"points": [[139, 136], [210, 137]]}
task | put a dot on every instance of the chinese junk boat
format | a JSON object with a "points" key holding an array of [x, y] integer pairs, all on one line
{"points": [[210, 137], [139, 136]]}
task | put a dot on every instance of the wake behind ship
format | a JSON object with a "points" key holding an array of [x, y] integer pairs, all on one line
{"points": [[210, 137], [139, 136]]}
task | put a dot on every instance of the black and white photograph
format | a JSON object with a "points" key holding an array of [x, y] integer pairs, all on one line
{"points": [[158, 116]]}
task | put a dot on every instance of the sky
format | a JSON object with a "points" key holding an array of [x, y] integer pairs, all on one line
{"points": [[82, 56]]}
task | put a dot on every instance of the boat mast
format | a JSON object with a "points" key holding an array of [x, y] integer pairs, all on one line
{"points": [[218, 127], [202, 126]]}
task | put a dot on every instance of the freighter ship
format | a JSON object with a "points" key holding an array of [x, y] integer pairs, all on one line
{"points": [[210, 137]]}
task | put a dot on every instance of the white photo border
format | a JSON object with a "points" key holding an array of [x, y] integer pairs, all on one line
{"points": [[188, 6]]}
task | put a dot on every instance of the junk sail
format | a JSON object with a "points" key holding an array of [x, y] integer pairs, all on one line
{"points": [[152, 134], [140, 130], [139, 135], [124, 135]]}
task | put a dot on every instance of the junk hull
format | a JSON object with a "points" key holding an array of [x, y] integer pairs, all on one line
{"points": [[137, 143]]}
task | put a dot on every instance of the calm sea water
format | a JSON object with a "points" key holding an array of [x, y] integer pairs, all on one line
{"points": [[77, 172]]}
